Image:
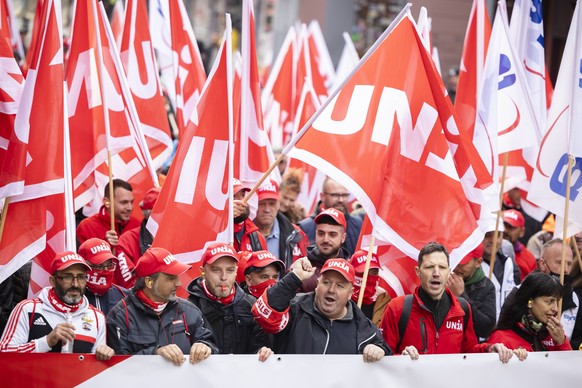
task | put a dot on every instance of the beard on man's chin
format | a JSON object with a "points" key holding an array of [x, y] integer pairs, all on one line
{"points": [[65, 297], [242, 217]]}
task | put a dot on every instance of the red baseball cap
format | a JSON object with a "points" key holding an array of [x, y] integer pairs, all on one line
{"points": [[335, 214], [215, 251], [238, 186], [149, 200], [513, 218], [268, 190], [156, 260], [66, 259], [261, 259], [96, 251], [340, 265], [474, 254], [358, 261]]}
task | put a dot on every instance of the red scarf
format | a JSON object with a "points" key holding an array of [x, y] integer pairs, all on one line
{"points": [[258, 289], [99, 281], [61, 306], [369, 291], [156, 307], [238, 227], [224, 301]]}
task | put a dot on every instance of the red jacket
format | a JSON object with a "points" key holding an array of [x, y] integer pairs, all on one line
{"points": [[513, 340], [451, 338], [128, 252], [245, 241], [524, 259]]}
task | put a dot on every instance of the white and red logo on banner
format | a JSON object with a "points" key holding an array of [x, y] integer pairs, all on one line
{"points": [[194, 207], [396, 146]]}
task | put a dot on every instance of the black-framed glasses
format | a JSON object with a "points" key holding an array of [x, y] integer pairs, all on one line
{"points": [[338, 195], [70, 278], [104, 267]]}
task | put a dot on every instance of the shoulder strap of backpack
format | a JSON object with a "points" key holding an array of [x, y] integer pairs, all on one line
{"points": [[255, 242], [465, 307], [403, 321]]}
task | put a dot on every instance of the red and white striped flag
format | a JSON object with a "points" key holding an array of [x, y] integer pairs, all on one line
{"points": [[321, 66], [9, 27], [117, 18], [380, 134], [36, 219], [199, 184]]}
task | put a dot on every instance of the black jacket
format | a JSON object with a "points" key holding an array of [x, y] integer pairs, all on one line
{"points": [[318, 261], [308, 332], [481, 297], [233, 325], [289, 237], [354, 226], [133, 328], [108, 300]]}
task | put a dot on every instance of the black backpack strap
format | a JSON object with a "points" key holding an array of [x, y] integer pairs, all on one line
{"points": [[404, 318], [465, 307], [255, 242]]}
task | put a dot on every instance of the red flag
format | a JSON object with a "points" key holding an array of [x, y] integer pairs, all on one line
{"points": [[253, 152], [278, 96], [189, 75], [389, 135], [117, 18], [92, 134], [34, 44], [12, 144], [322, 71], [472, 64], [9, 27], [199, 183], [138, 60], [398, 274], [36, 218]]}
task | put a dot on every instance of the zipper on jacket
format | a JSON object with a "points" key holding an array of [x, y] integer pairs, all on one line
{"points": [[366, 340], [287, 242]]}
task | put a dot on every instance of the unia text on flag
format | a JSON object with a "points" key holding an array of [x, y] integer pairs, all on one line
{"points": [[188, 70], [278, 95], [36, 219], [505, 118], [527, 33], [102, 117], [253, 152], [472, 64], [195, 203], [389, 135], [312, 178], [138, 60], [561, 145], [12, 143], [397, 276]]}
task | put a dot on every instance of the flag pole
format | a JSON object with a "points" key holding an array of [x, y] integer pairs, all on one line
{"points": [[571, 161], [495, 242], [366, 270], [265, 175], [105, 114], [3, 217]]}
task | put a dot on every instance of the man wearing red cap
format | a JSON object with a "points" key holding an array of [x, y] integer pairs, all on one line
{"points": [[262, 270], [101, 292], [99, 225], [514, 224], [334, 195], [133, 244], [330, 233], [285, 240], [61, 320], [246, 234], [225, 306], [153, 320], [437, 322], [375, 297], [325, 321], [470, 282]]}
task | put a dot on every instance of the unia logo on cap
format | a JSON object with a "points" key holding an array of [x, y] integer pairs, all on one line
{"points": [[221, 249], [343, 265], [332, 212], [512, 215], [263, 256], [103, 247], [71, 257], [362, 259], [169, 259], [268, 187]]}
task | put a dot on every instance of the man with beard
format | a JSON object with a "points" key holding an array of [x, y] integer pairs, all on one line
{"points": [[330, 234], [133, 244], [101, 292], [225, 306], [153, 320], [61, 320], [246, 234], [325, 321], [334, 195]]}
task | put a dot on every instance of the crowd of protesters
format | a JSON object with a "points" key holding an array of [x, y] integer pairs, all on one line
{"points": [[292, 288]]}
